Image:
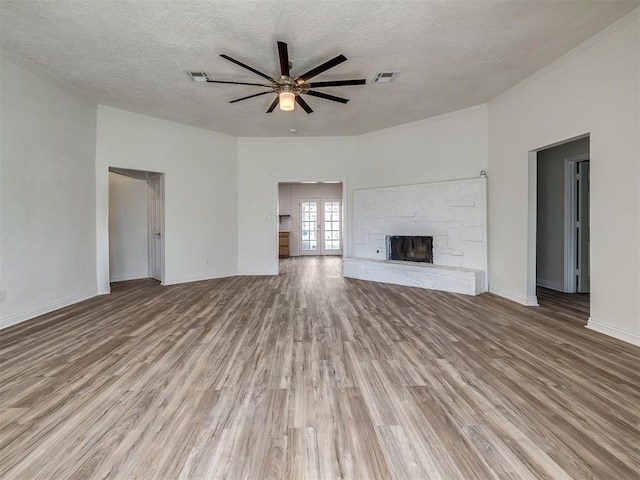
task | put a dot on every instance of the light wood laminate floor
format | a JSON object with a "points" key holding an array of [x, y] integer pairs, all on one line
{"points": [[310, 375]]}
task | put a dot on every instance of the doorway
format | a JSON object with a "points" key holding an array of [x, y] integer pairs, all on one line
{"points": [[562, 219], [136, 225], [311, 218]]}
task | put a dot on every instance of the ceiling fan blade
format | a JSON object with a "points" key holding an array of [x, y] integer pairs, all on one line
{"points": [[237, 62], [322, 68], [238, 83], [283, 52], [305, 106], [274, 104], [249, 96], [327, 96], [338, 83]]}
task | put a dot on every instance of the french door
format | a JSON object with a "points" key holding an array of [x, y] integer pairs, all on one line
{"points": [[321, 226]]}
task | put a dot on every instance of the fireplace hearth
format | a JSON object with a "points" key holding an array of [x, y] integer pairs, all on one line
{"points": [[410, 248]]}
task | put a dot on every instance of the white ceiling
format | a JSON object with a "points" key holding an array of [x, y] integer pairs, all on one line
{"points": [[133, 54]]}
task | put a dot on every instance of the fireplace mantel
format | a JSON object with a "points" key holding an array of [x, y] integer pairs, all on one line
{"points": [[413, 274]]}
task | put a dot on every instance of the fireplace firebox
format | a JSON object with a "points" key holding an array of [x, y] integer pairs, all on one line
{"points": [[410, 248]]}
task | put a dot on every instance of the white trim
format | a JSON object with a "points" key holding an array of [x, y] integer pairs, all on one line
{"points": [[128, 276], [526, 300], [46, 308], [270, 273], [200, 278], [619, 333], [558, 286], [562, 142], [532, 229]]}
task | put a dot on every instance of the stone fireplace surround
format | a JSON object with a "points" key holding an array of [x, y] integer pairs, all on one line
{"points": [[452, 212]]}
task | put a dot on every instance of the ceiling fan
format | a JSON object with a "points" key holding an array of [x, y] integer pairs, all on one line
{"points": [[289, 89]]}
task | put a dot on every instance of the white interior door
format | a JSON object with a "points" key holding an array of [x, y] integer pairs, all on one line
{"points": [[576, 231], [155, 225], [321, 226]]}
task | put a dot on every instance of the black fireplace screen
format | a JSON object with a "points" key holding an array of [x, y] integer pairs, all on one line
{"points": [[410, 248]]}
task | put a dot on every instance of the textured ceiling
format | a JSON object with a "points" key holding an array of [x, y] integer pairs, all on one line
{"points": [[133, 54]]}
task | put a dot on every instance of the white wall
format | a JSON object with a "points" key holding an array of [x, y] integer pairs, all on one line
{"points": [[550, 212], [593, 90], [447, 147], [261, 166], [47, 189], [200, 191], [128, 240]]}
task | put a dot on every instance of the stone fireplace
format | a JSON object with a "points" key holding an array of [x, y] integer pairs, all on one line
{"points": [[410, 248], [429, 235]]}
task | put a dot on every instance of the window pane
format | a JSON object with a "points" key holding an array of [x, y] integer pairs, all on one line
{"points": [[308, 226]]}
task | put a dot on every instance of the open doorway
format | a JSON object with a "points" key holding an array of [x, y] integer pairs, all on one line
{"points": [[136, 224], [310, 219], [562, 223]]}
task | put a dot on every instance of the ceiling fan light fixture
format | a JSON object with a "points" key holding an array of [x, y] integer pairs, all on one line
{"points": [[287, 101]]}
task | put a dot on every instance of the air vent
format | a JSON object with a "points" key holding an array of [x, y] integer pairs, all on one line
{"points": [[386, 77], [198, 76]]}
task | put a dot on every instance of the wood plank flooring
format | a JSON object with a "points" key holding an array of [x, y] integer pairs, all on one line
{"points": [[573, 307], [310, 375]]}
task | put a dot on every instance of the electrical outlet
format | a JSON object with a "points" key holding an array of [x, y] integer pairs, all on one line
{"points": [[2, 296]]}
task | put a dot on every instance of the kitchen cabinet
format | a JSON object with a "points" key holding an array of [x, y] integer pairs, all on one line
{"points": [[283, 244]]}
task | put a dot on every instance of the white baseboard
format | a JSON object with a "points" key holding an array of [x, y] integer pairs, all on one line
{"points": [[257, 274], [128, 276], [46, 308], [615, 332], [176, 281], [557, 286], [528, 301]]}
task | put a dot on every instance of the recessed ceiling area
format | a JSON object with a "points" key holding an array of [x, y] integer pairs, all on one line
{"points": [[135, 55]]}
